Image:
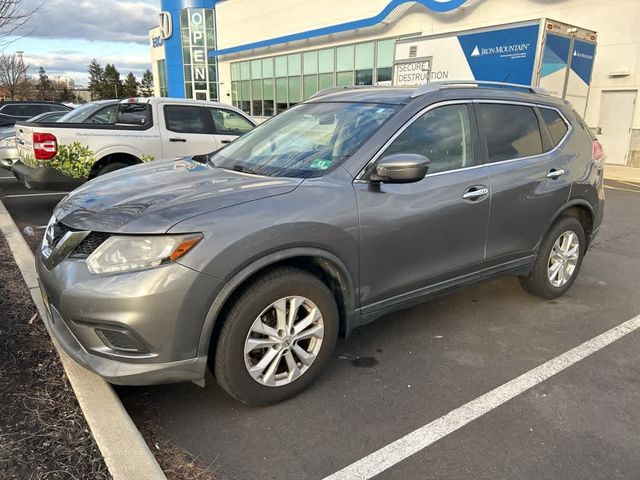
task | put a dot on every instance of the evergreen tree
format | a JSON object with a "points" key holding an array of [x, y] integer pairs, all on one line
{"points": [[112, 86], [130, 86], [146, 84], [96, 80], [44, 85]]}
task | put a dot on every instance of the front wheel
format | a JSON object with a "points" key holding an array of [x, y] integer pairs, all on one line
{"points": [[278, 335], [559, 260], [111, 167]]}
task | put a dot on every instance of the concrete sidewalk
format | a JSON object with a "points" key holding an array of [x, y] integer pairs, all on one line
{"points": [[620, 172]]}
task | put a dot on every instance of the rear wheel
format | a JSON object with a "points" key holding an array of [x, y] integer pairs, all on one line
{"points": [[111, 167], [559, 260], [278, 335]]}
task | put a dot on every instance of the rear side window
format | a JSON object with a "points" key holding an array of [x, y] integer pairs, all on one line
{"points": [[511, 131], [133, 114], [555, 124], [186, 119], [24, 110]]}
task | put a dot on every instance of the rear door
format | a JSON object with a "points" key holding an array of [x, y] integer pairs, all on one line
{"points": [[186, 130], [528, 172]]}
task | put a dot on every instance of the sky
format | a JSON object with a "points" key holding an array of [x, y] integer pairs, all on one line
{"points": [[63, 36]]}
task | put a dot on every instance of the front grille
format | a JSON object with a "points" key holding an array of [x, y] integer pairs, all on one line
{"points": [[90, 243], [117, 340]]}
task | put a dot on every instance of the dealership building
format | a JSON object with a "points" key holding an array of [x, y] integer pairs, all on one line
{"points": [[265, 57]]}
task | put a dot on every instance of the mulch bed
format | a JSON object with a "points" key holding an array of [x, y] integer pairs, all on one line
{"points": [[43, 434]]}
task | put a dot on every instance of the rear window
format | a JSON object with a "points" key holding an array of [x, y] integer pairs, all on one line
{"points": [[133, 114], [555, 124], [511, 131]]}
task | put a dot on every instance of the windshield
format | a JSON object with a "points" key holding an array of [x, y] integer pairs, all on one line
{"points": [[80, 114], [304, 141]]}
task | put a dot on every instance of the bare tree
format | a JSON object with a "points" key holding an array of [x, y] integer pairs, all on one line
{"points": [[13, 16], [13, 75]]}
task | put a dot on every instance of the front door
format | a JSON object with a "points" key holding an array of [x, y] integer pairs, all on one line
{"points": [[415, 235], [186, 130], [614, 128]]}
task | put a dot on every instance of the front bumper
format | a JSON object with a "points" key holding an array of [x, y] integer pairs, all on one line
{"points": [[161, 309], [43, 178]]}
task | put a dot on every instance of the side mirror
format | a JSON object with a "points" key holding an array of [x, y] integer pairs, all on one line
{"points": [[401, 168]]}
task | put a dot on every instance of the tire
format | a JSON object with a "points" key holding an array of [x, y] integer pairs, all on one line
{"points": [[111, 167], [232, 365], [538, 282]]}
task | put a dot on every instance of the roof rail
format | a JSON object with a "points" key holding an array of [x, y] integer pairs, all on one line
{"points": [[435, 86], [330, 90]]}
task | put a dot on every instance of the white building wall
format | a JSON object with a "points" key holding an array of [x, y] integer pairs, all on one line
{"points": [[616, 21], [157, 53]]}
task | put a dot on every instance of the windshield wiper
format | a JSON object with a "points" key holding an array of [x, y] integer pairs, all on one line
{"points": [[241, 168]]}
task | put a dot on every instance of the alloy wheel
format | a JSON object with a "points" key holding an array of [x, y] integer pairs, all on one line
{"points": [[563, 259]]}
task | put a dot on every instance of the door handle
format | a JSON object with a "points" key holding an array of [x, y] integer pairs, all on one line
{"points": [[177, 139], [475, 193], [555, 173], [225, 141]]}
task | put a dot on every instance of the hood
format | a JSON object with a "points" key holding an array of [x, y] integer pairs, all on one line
{"points": [[152, 197]]}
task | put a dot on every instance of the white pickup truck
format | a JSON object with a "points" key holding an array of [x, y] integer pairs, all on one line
{"points": [[107, 135]]}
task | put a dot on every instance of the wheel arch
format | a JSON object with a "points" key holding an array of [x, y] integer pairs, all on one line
{"points": [[120, 157], [580, 209], [318, 262]]}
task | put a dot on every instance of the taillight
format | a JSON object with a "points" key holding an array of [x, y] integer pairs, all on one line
{"points": [[45, 146], [597, 154]]}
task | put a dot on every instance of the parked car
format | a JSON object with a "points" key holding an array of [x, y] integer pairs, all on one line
{"points": [[349, 206], [15, 111], [8, 148], [118, 134]]}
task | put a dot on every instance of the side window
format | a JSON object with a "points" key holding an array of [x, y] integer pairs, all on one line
{"points": [[132, 114], [186, 119], [443, 135], [17, 110], [36, 109], [511, 131], [556, 125], [227, 122], [104, 116]]}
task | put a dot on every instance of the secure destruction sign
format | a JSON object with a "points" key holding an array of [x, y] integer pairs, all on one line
{"points": [[409, 73]]}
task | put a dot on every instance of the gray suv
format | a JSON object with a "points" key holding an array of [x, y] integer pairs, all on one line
{"points": [[351, 205]]}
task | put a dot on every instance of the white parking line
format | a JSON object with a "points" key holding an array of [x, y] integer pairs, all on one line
{"points": [[34, 194], [388, 456]]}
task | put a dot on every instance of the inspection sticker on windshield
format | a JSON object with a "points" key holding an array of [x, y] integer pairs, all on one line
{"points": [[321, 164]]}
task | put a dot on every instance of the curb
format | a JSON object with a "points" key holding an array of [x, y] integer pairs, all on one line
{"points": [[124, 450]]}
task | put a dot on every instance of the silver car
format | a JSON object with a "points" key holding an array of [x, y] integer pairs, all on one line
{"points": [[351, 205]]}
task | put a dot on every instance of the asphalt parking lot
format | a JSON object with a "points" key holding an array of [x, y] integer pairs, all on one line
{"points": [[411, 368]]}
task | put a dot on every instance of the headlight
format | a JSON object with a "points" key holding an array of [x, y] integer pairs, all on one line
{"points": [[133, 252]]}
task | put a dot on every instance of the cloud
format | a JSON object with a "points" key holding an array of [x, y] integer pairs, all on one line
{"points": [[108, 20]]}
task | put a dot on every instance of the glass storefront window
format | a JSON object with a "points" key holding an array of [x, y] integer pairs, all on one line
{"points": [[276, 83], [267, 89], [256, 69], [385, 53], [344, 79], [310, 85], [294, 91], [256, 97], [293, 62], [281, 66], [325, 80], [267, 67], [364, 56], [344, 58], [310, 62], [325, 61], [281, 94], [234, 93], [364, 77], [244, 71]]}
